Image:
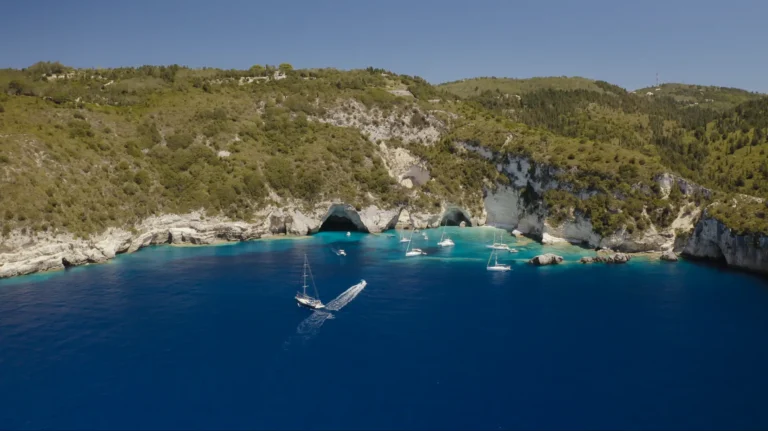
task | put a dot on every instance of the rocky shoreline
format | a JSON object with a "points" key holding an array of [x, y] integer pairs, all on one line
{"points": [[709, 239]]}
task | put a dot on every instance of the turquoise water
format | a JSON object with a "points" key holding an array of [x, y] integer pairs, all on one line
{"points": [[210, 337]]}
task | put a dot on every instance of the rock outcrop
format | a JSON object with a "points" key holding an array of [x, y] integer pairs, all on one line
{"points": [[669, 256], [711, 239], [611, 258], [546, 259], [26, 254]]}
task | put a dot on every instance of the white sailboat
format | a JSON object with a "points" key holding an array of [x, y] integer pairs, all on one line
{"points": [[499, 245], [301, 297], [496, 265], [414, 251], [444, 240], [404, 239]]}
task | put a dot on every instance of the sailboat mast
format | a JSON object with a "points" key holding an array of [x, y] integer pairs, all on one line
{"points": [[443, 234], [305, 274], [489, 259], [410, 240]]}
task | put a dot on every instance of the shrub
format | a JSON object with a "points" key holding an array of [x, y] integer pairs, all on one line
{"points": [[179, 141]]}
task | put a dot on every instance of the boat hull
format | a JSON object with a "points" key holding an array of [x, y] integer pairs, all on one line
{"points": [[309, 303], [446, 243], [500, 268]]}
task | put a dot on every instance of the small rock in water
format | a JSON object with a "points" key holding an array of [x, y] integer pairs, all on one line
{"points": [[615, 258], [463, 224], [546, 259], [669, 256]]}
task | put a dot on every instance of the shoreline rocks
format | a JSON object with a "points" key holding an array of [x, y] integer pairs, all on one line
{"points": [[546, 259], [669, 256], [611, 258]]}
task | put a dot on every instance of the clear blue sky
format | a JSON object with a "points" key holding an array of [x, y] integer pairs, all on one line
{"points": [[704, 42]]}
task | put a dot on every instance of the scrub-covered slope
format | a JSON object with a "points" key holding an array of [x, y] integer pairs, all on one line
{"points": [[97, 162]]}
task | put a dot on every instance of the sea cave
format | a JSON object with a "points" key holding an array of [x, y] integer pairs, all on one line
{"points": [[342, 218], [454, 217]]}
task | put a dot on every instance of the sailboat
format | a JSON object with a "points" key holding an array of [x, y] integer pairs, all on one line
{"points": [[499, 245], [404, 239], [444, 240], [414, 251], [301, 297], [496, 265]]}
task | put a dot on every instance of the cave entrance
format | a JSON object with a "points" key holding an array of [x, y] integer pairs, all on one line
{"points": [[335, 223], [341, 218], [454, 217]]}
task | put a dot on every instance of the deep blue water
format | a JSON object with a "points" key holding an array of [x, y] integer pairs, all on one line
{"points": [[206, 337]]}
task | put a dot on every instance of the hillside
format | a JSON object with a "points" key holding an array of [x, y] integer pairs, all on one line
{"points": [[512, 86], [718, 98], [85, 151]]}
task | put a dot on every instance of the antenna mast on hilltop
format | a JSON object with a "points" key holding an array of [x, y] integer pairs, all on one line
{"points": [[657, 79]]}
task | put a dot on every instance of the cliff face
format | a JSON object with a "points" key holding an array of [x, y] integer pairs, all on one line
{"points": [[711, 239], [28, 255], [518, 205]]}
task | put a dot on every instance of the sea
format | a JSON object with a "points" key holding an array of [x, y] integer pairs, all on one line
{"points": [[210, 337]]}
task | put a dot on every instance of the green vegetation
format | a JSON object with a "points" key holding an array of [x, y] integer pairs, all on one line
{"points": [[743, 216], [82, 150], [510, 86], [715, 136], [99, 155], [718, 98]]}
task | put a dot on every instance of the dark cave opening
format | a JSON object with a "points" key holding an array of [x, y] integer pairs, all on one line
{"points": [[454, 217], [339, 223]]}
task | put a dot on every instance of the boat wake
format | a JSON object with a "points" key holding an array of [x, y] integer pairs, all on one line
{"points": [[346, 297], [309, 326]]}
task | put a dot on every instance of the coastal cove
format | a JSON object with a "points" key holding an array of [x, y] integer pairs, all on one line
{"points": [[710, 240], [201, 337]]}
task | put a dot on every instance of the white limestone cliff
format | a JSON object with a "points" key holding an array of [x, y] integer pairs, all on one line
{"points": [[711, 239]]}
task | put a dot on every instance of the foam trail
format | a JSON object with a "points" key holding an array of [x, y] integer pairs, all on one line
{"points": [[309, 326], [312, 323], [346, 297]]}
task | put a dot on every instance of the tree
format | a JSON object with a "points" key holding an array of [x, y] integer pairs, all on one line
{"points": [[285, 68], [257, 70]]}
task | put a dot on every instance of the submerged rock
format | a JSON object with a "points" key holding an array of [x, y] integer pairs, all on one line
{"points": [[587, 259], [546, 259], [669, 256]]}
